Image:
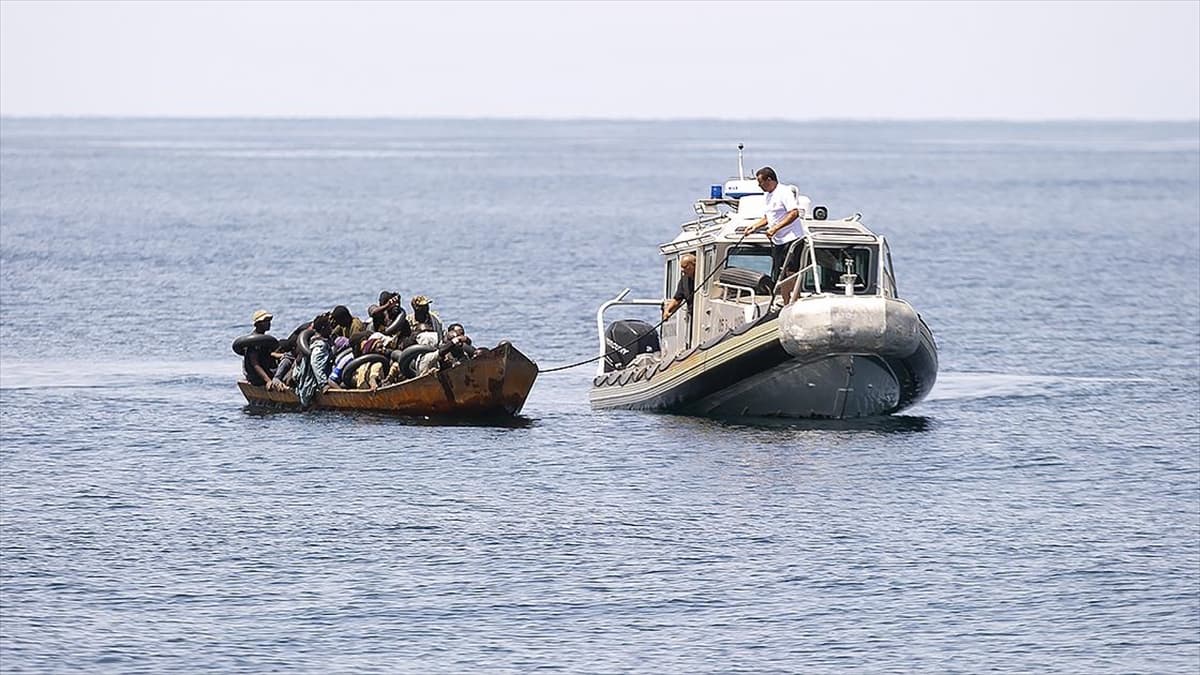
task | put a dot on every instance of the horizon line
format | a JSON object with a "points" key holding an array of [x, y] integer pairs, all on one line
{"points": [[555, 118]]}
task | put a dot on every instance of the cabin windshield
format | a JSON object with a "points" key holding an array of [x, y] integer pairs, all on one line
{"points": [[757, 258], [834, 261]]}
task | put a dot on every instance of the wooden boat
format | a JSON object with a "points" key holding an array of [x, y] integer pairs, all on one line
{"points": [[494, 383]]}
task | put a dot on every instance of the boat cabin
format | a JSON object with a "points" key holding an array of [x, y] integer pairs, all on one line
{"points": [[740, 278]]}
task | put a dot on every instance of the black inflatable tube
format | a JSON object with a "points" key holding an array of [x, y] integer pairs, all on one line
{"points": [[348, 371], [409, 356], [302, 343], [394, 327], [255, 340]]}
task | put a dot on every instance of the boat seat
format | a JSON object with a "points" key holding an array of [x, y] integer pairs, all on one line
{"points": [[746, 278]]}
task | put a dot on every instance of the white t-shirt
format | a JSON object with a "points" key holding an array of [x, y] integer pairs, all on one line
{"points": [[779, 202]]}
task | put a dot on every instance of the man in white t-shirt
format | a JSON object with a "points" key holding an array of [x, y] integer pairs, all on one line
{"points": [[785, 210]]}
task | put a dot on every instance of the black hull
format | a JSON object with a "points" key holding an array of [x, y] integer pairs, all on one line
{"points": [[751, 375]]}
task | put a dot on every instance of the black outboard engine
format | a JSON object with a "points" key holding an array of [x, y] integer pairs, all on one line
{"points": [[625, 339]]}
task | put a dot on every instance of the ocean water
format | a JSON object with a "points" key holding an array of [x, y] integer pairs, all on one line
{"points": [[1040, 511]]}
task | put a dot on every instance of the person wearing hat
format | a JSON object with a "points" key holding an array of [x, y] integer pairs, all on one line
{"points": [[424, 319], [258, 362]]}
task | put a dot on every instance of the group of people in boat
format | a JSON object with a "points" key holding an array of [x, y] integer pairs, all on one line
{"points": [[338, 350]]}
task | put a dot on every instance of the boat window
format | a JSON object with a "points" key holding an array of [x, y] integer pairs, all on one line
{"points": [[889, 275], [757, 258], [710, 260], [672, 279], [831, 264]]}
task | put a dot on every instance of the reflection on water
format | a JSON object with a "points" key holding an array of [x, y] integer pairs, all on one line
{"points": [[885, 424], [372, 417], [879, 424]]}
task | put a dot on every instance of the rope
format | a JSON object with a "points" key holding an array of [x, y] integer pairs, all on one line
{"points": [[660, 323]]}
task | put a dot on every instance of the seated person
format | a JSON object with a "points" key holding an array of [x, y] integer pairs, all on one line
{"points": [[311, 373], [386, 312], [345, 324], [454, 349], [423, 318], [342, 355], [371, 375]]}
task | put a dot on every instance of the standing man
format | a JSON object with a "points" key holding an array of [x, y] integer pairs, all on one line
{"points": [[686, 287], [785, 211]]}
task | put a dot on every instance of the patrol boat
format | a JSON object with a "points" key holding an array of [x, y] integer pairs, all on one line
{"points": [[812, 329]]}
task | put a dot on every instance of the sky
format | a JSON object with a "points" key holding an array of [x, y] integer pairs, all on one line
{"points": [[612, 60]]}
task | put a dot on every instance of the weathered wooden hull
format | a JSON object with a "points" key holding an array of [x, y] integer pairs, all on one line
{"points": [[493, 384]]}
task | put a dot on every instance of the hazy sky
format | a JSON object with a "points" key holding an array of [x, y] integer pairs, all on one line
{"points": [[1012, 60]]}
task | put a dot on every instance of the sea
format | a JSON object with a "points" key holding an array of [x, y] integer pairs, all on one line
{"points": [[1039, 511]]}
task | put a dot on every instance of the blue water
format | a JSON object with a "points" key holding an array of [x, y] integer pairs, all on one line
{"points": [[1040, 511]]}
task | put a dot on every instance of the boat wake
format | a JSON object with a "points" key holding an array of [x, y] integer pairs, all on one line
{"points": [[971, 386]]}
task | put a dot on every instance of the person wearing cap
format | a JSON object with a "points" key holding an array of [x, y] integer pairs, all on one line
{"points": [[258, 363], [785, 211], [423, 319]]}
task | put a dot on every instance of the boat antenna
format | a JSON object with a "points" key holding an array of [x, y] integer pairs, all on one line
{"points": [[741, 171]]}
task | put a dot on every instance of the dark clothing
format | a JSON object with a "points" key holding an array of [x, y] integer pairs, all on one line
{"points": [[382, 317], [451, 354], [262, 356], [685, 290], [356, 326], [428, 322], [284, 371]]}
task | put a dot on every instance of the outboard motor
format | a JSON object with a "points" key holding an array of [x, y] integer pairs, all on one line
{"points": [[625, 339]]}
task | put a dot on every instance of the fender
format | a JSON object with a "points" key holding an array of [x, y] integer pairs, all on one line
{"points": [[408, 358], [255, 341], [302, 343], [401, 319], [348, 371]]}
